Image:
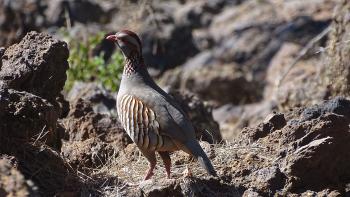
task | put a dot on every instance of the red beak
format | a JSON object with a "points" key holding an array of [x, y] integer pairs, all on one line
{"points": [[112, 37]]}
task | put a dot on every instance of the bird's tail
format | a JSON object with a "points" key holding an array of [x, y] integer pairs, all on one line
{"points": [[200, 155]]}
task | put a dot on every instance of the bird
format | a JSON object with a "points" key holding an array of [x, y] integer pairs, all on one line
{"points": [[153, 119]]}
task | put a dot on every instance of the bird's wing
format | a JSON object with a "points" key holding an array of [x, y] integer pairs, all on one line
{"points": [[161, 118]]}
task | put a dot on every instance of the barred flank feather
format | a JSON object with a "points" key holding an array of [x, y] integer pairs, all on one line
{"points": [[140, 123]]}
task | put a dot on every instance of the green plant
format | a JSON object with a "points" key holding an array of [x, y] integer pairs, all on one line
{"points": [[87, 68]]}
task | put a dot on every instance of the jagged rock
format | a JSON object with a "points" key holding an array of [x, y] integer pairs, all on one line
{"points": [[90, 153], [299, 86], [268, 179], [189, 187], [165, 188], [209, 187], [309, 156], [37, 65], [161, 47], [326, 192], [260, 131], [91, 139], [276, 119], [32, 76], [338, 105], [198, 13], [303, 149], [45, 167], [19, 17], [337, 66], [211, 82], [27, 118], [82, 123], [200, 114], [233, 118], [101, 100], [83, 11]]}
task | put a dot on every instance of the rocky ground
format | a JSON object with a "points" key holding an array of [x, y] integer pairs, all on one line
{"points": [[265, 83]]}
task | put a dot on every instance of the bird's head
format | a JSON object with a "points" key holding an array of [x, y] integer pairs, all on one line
{"points": [[128, 42]]}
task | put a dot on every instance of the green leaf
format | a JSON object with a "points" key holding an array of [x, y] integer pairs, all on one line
{"points": [[84, 67]]}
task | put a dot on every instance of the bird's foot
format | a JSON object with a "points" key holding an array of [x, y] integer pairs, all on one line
{"points": [[149, 174], [167, 169]]}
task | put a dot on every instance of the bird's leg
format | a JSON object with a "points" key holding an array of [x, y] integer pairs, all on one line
{"points": [[151, 157], [150, 173], [167, 162]]}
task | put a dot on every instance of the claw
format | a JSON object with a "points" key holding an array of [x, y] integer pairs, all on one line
{"points": [[148, 175], [167, 170]]}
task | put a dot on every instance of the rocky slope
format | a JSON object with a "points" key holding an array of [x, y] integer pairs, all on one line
{"points": [[285, 123]]}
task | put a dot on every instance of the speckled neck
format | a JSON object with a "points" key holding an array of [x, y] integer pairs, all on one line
{"points": [[133, 65]]}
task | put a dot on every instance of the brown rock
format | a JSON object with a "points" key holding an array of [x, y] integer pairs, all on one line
{"points": [[17, 18], [296, 87], [319, 10], [208, 187], [337, 66], [276, 119], [37, 65], [82, 124], [189, 187], [91, 139], [91, 153], [25, 117], [163, 188], [101, 100], [200, 114], [310, 155], [219, 80], [269, 178], [233, 118], [311, 146], [46, 169]]}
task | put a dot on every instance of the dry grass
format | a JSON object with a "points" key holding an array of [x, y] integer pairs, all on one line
{"points": [[120, 175]]}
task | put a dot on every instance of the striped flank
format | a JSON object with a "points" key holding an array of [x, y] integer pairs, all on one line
{"points": [[140, 123]]}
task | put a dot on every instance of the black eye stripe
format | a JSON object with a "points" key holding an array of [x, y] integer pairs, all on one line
{"points": [[128, 43], [133, 35]]}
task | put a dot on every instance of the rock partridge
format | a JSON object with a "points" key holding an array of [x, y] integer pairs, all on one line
{"points": [[152, 119]]}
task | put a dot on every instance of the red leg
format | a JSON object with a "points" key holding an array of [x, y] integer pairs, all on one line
{"points": [[150, 173], [167, 162], [151, 157]]}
